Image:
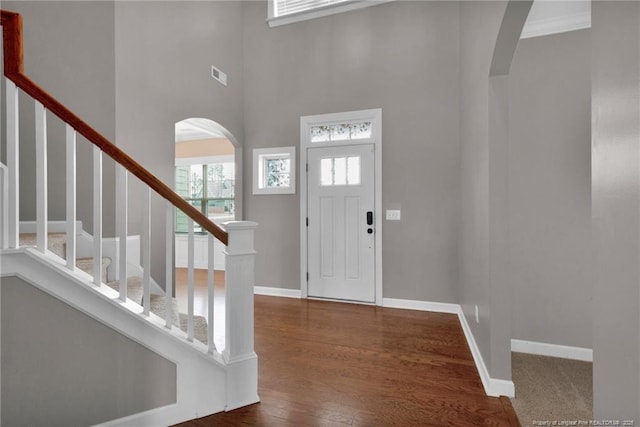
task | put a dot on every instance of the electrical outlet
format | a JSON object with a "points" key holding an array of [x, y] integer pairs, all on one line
{"points": [[393, 215], [477, 315]]}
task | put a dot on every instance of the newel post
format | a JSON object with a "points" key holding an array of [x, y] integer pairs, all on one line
{"points": [[242, 361]]}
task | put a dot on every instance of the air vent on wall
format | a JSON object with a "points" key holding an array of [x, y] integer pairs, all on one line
{"points": [[217, 74]]}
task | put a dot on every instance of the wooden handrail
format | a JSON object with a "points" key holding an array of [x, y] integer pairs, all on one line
{"points": [[14, 71]]}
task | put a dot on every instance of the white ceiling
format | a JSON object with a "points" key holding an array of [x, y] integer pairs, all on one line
{"points": [[194, 129], [553, 16]]}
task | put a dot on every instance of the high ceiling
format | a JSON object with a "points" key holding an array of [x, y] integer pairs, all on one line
{"points": [[546, 17], [551, 17]]}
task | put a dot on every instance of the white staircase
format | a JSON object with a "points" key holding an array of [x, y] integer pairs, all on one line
{"points": [[209, 378], [135, 291]]}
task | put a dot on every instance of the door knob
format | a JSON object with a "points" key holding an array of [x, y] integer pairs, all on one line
{"points": [[369, 218]]}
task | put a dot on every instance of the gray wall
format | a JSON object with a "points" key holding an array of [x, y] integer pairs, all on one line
{"points": [[401, 57], [426, 64], [164, 53], [69, 52], [616, 209], [131, 78], [550, 258], [63, 368], [479, 25]]}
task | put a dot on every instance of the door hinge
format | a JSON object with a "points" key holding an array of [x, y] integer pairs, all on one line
{"points": [[307, 276], [307, 221], [307, 167]]}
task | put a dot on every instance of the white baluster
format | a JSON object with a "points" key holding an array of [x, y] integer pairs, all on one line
{"points": [[146, 252], [121, 225], [97, 216], [4, 228], [169, 260], [41, 178], [71, 198], [210, 293], [13, 163], [190, 261]]}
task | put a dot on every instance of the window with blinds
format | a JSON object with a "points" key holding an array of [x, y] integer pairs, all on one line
{"points": [[282, 12], [288, 7]]}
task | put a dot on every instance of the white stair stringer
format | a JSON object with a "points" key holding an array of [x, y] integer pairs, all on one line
{"points": [[201, 387]]}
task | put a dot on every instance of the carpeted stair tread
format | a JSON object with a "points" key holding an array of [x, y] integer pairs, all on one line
{"points": [[158, 307], [55, 242], [134, 288], [158, 304], [199, 327], [86, 265]]}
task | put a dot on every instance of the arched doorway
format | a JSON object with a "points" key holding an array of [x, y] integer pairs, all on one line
{"points": [[208, 174], [208, 169]]}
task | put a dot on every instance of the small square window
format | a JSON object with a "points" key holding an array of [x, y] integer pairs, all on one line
{"points": [[274, 170]]}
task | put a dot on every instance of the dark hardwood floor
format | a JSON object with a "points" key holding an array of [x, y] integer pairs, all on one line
{"points": [[325, 363]]}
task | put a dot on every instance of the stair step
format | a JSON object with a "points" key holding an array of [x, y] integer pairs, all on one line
{"points": [[86, 265], [134, 288], [200, 327], [158, 307], [158, 304], [56, 243]]}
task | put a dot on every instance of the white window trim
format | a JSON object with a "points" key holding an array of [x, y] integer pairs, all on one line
{"points": [[306, 123], [260, 155], [276, 21]]}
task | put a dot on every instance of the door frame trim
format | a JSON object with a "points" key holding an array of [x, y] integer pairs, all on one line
{"points": [[375, 116]]}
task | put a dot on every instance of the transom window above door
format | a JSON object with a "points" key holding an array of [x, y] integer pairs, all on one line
{"points": [[341, 132]]}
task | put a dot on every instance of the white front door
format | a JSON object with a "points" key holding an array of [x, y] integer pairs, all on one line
{"points": [[341, 224]]}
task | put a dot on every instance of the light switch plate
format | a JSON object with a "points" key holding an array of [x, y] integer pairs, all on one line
{"points": [[393, 215]]}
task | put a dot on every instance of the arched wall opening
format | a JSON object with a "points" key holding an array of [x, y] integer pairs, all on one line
{"points": [[208, 161], [208, 174]]}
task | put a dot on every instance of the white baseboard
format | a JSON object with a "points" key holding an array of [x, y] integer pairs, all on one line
{"points": [[408, 304], [552, 350], [492, 386], [277, 292]]}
